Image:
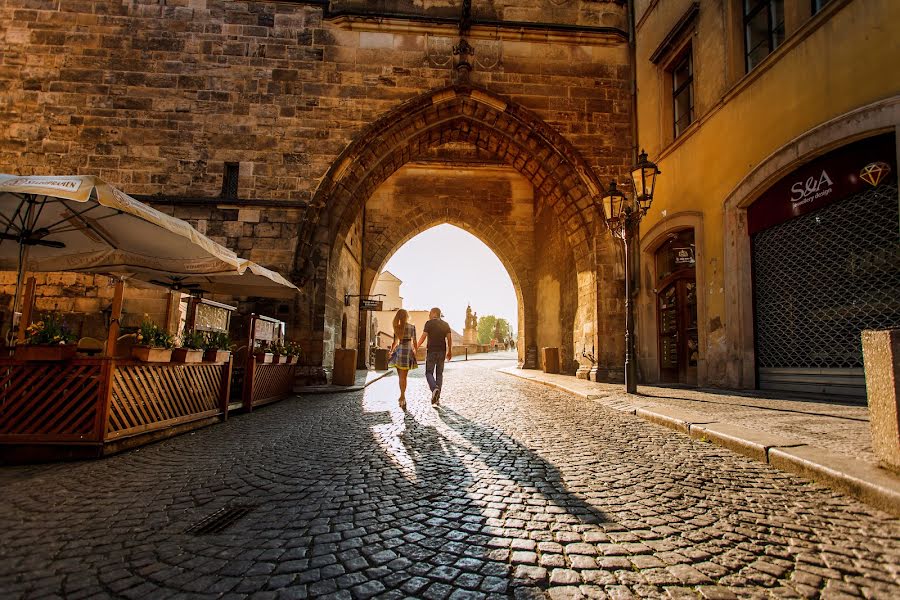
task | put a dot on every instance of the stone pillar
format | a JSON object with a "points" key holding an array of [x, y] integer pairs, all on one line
{"points": [[881, 353]]}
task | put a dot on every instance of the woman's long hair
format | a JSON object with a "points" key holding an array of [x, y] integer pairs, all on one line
{"points": [[400, 320]]}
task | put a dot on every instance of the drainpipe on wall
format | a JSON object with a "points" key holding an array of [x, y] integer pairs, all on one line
{"points": [[636, 247]]}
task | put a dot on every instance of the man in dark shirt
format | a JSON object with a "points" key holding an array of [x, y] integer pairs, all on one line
{"points": [[440, 344]]}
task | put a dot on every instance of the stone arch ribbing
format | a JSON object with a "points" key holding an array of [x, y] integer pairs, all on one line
{"points": [[509, 131]]}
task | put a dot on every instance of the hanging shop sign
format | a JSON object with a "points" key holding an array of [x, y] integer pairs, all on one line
{"points": [[683, 256], [370, 304], [843, 172]]}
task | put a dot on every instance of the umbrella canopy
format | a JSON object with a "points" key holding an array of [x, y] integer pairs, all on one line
{"points": [[252, 280], [81, 223]]}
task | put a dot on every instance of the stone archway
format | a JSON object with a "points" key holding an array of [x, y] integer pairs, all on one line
{"points": [[564, 185]]}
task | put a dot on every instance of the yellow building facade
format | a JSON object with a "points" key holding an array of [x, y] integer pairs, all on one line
{"points": [[773, 235]]}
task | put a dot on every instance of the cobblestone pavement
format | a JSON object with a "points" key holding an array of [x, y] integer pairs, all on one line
{"points": [[510, 489], [838, 425]]}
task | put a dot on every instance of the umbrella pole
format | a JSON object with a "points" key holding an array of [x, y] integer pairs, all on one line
{"points": [[20, 278], [116, 314], [27, 307]]}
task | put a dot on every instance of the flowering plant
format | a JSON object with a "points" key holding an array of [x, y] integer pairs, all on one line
{"points": [[278, 348], [293, 349], [150, 334], [50, 329]]}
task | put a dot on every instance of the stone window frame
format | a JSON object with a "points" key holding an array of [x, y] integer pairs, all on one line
{"points": [[686, 87], [750, 11], [800, 21], [671, 52]]}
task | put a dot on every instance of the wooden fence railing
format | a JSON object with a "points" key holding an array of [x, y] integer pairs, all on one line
{"points": [[101, 405], [42, 402], [264, 383]]}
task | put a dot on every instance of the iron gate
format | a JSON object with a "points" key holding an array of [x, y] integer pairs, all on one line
{"points": [[819, 280]]}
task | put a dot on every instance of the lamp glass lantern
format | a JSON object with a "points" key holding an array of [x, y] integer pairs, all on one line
{"points": [[643, 177], [613, 206]]}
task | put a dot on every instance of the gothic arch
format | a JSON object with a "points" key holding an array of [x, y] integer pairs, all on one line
{"points": [[561, 179], [456, 113], [482, 229]]}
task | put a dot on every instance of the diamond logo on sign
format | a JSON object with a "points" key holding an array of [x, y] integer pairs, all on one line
{"points": [[874, 172]]}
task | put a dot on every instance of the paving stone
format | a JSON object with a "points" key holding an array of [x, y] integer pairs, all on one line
{"points": [[520, 491]]}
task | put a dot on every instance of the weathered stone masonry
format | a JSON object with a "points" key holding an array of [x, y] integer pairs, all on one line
{"points": [[319, 106]]}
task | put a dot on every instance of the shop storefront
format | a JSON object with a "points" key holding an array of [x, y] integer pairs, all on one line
{"points": [[826, 265]]}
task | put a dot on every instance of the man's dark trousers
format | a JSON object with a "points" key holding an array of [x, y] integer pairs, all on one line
{"points": [[434, 368]]}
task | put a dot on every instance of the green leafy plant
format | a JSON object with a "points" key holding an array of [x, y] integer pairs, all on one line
{"points": [[152, 335], [217, 340], [193, 340], [49, 330], [278, 348], [293, 349]]}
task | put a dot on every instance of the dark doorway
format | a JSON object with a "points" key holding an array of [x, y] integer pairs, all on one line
{"points": [[677, 309]]}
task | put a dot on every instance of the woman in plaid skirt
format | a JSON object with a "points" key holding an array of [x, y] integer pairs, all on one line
{"points": [[403, 350]]}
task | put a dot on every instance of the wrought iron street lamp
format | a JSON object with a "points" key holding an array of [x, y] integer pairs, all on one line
{"points": [[623, 216]]}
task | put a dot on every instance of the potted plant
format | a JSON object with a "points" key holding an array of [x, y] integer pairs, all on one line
{"points": [[153, 343], [262, 353], [47, 339], [191, 350], [279, 352], [293, 352], [217, 346]]}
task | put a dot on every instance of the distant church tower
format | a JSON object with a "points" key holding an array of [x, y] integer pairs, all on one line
{"points": [[470, 333]]}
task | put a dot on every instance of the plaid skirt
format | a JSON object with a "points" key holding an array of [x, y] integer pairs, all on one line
{"points": [[403, 357]]}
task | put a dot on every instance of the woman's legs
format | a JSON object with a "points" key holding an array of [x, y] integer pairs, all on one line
{"points": [[402, 374]]}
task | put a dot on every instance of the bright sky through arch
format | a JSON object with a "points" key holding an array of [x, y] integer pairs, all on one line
{"points": [[451, 268]]}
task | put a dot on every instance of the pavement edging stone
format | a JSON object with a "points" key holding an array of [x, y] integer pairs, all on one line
{"points": [[857, 478], [743, 440]]}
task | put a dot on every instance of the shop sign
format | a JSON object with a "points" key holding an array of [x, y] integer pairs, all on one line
{"points": [[683, 256], [846, 171], [370, 304]]}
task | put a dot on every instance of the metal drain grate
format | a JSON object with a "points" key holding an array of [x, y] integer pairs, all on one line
{"points": [[220, 520]]}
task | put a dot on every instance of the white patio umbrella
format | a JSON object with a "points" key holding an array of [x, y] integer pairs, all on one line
{"points": [[252, 279], [81, 223]]}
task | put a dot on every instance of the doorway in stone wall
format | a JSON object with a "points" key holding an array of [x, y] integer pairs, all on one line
{"points": [[449, 268], [676, 309]]}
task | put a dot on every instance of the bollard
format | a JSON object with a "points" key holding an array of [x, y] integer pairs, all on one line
{"points": [[881, 356]]}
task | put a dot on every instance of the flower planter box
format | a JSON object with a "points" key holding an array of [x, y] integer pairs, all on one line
{"points": [[216, 355], [148, 354], [291, 360], [279, 360], [49, 352], [264, 357], [187, 355]]}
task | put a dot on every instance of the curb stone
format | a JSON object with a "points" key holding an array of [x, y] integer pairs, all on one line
{"points": [[339, 389], [864, 481]]}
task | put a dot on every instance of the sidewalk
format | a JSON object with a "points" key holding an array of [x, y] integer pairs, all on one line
{"points": [[363, 378], [827, 442]]}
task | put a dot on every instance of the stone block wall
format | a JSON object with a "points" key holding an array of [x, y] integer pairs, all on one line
{"points": [[157, 98]]}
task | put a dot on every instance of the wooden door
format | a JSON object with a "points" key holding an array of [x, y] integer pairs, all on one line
{"points": [[677, 323]]}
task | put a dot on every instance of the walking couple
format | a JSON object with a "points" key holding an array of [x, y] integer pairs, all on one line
{"points": [[403, 351]]}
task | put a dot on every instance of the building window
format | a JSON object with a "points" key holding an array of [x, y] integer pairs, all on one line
{"points": [[818, 5], [230, 180], [683, 93], [763, 29]]}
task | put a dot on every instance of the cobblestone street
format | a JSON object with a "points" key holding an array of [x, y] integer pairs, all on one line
{"points": [[510, 489]]}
